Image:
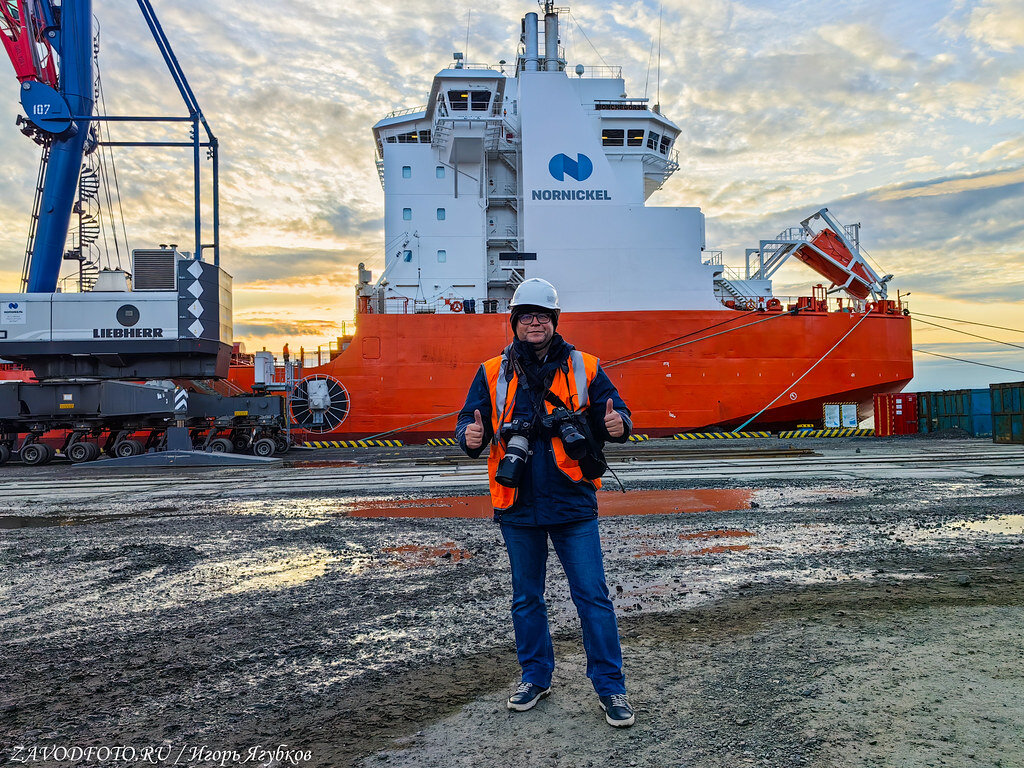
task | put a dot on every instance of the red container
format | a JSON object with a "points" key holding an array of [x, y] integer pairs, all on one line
{"points": [[895, 414]]}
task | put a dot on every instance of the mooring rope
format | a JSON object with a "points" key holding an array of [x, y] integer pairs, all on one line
{"points": [[787, 389]]}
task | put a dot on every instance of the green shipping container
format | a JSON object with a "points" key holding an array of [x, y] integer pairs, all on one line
{"points": [[965, 409], [1007, 412]]}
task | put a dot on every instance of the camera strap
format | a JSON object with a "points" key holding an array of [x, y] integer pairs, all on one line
{"points": [[535, 398]]}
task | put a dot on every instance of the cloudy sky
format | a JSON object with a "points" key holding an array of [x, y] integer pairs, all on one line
{"points": [[906, 117]]}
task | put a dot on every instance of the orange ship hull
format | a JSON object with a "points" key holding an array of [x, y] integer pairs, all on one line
{"points": [[401, 370]]}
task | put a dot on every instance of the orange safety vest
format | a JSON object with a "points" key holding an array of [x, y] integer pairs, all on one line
{"points": [[570, 388]]}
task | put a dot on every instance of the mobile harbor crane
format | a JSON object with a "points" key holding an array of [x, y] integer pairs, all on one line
{"points": [[122, 364]]}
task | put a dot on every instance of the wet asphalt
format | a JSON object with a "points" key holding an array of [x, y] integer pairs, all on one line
{"points": [[229, 611]]}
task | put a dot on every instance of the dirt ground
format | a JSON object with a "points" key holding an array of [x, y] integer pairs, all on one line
{"points": [[849, 623]]}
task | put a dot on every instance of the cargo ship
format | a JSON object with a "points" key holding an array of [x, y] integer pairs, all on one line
{"points": [[529, 170]]}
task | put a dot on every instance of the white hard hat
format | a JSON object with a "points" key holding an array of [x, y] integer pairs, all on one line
{"points": [[535, 293]]}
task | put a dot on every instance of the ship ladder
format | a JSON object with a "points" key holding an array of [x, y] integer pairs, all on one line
{"points": [[34, 221]]}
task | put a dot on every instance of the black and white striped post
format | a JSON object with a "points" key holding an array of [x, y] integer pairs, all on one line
{"points": [[177, 436]]}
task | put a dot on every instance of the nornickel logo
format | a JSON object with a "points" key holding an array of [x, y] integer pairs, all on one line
{"points": [[561, 166]]}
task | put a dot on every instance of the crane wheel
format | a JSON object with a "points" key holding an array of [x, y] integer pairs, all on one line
{"points": [[5, 454], [220, 445], [78, 452], [35, 454], [125, 448], [264, 447]]}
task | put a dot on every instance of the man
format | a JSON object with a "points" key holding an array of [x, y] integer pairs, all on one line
{"points": [[547, 411]]}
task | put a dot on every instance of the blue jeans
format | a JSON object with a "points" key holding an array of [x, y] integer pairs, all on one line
{"points": [[578, 546]]}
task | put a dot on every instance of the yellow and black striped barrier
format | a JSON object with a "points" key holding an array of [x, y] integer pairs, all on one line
{"points": [[718, 435], [847, 432], [353, 444], [442, 441], [638, 438]]}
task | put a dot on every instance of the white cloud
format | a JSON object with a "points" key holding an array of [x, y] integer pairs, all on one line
{"points": [[997, 24]]}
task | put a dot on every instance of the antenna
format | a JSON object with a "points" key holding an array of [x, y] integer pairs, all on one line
{"points": [[657, 103], [650, 59]]}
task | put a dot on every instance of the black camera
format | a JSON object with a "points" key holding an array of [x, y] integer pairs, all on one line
{"points": [[516, 436], [565, 425]]}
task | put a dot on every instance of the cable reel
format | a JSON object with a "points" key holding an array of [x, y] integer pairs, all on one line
{"points": [[320, 403]]}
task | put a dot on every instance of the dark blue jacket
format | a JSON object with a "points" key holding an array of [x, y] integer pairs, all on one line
{"points": [[546, 496]]}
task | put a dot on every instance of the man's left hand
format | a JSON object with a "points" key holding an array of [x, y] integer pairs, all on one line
{"points": [[613, 421]]}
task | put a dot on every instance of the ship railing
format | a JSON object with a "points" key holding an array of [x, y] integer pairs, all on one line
{"points": [[453, 305], [730, 273], [465, 65], [496, 109], [407, 111], [713, 257], [834, 303], [600, 71], [792, 235]]}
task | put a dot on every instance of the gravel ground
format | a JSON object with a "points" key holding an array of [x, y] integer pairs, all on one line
{"points": [[852, 623]]}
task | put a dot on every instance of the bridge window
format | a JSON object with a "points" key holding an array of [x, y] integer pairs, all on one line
{"points": [[479, 100], [407, 138], [652, 140], [407, 214], [442, 256], [406, 171], [459, 100], [635, 137], [665, 142], [612, 137], [424, 137]]}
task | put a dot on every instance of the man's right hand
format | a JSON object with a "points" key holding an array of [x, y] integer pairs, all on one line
{"points": [[475, 432]]}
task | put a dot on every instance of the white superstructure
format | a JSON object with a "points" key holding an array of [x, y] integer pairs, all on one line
{"points": [[539, 174]]}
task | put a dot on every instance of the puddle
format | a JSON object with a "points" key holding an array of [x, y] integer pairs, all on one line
{"points": [[458, 506], [420, 555], [717, 549], [611, 504], [720, 548], [290, 570], [1004, 524], [990, 529]]}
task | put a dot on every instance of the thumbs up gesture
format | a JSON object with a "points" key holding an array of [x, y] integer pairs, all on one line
{"points": [[475, 432], [612, 420]]}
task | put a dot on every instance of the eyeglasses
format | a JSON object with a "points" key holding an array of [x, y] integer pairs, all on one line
{"points": [[540, 317]]}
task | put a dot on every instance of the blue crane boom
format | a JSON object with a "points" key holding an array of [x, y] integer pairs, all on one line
{"points": [[60, 183]]}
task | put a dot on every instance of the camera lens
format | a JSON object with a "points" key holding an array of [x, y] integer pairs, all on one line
{"points": [[510, 469], [574, 441]]}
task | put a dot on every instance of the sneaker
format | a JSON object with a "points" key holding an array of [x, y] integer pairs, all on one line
{"points": [[526, 697], [617, 710]]}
